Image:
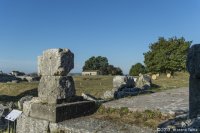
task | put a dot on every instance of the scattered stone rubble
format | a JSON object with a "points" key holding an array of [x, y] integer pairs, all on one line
{"points": [[124, 86], [57, 100], [16, 77], [4, 110], [4, 78]]}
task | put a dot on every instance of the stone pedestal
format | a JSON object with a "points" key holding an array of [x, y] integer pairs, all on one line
{"points": [[56, 101], [193, 67]]}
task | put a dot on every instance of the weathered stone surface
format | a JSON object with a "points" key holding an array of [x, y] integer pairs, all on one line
{"points": [[193, 61], [55, 62], [181, 124], [22, 100], [193, 67], [27, 124], [4, 110], [173, 100], [194, 97], [61, 112], [79, 125], [27, 105], [109, 94], [169, 75], [143, 82], [93, 125], [154, 77], [53, 88], [120, 82]]}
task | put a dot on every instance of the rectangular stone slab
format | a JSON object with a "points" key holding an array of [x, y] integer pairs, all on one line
{"points": [[61, 112]]}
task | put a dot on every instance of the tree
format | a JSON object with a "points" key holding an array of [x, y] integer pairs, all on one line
{"points": [[137, 69], [167, 55], [95, 63], [101, 64], [111, 70]]}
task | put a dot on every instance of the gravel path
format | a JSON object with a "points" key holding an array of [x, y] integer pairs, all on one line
{"points": [[169, 101], [92, 125]]}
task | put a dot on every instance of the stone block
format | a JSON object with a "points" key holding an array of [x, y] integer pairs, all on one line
{"points": [[55, 62], [60, 112], [120, 82], [143, 82], [27, 124], [194, 97], [193, 61], [54, 88], [193, 67], [27, 105]]}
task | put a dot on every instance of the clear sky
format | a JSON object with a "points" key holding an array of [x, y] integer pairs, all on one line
{"points": [[121, 30]]}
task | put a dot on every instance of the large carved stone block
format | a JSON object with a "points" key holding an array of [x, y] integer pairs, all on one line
{"points": [[54, 88], [193, 67], [55, 62]]}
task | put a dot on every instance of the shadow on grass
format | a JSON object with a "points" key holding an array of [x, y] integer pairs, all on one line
{"points": [[155, 88], [6, 98]]}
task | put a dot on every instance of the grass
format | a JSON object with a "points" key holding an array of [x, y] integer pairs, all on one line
{"points": [[94, 85], [12, 92], [146, 118], [14, 89], [179, 80]]}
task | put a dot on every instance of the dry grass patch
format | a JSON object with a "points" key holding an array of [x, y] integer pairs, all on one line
{"points": [[146, 118]]}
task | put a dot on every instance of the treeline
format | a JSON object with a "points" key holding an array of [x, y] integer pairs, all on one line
{"points": [[164, 56]]}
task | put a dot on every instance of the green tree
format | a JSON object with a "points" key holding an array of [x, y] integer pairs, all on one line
{"points": [[167, 55], [137, 69], [101, 64], [96, 63]]}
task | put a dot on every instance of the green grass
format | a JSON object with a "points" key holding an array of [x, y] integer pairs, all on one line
{"points": [[14, 89], [146, 118], [94, 85]]}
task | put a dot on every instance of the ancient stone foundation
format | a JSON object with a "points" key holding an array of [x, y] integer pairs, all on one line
{"points": [[57, 100]]}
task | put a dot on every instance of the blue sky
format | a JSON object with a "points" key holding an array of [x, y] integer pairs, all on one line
{"points": [[121, 30]]}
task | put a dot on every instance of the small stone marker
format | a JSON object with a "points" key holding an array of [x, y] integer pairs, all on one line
{"points": [[193, 67], [154, 77], [169, 75]]}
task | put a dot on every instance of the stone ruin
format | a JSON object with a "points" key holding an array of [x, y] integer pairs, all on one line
{"points": [[124, 86], [57, 100]]}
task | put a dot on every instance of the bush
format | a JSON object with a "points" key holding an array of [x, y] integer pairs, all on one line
{"points": [[137, 69]]}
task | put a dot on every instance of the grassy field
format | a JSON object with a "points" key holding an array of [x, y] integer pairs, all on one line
{"points": [[94, 85]]}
